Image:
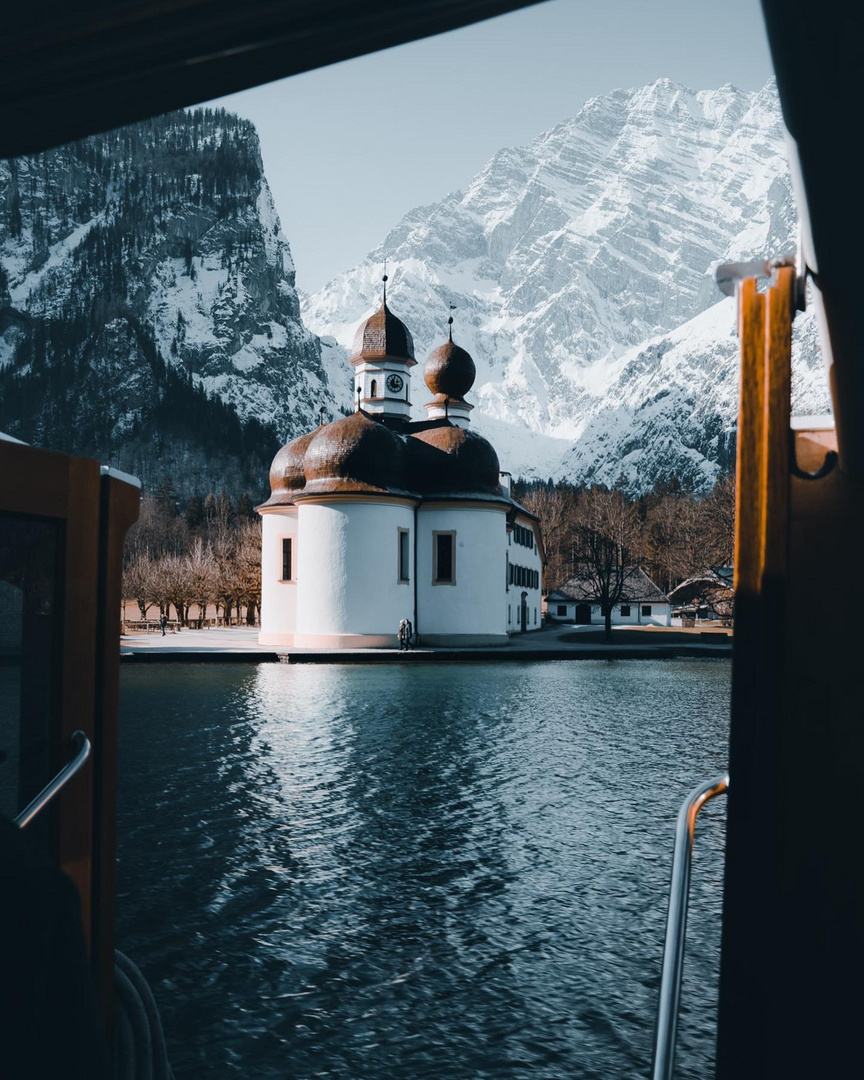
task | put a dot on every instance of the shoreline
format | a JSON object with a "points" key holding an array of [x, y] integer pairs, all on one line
{"points": [[554, 643]]}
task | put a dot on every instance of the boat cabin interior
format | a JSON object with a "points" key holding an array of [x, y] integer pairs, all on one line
{"points": [[793, 905]]}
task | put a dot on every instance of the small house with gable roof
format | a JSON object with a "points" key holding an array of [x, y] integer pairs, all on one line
{"points": [[643, 604]]}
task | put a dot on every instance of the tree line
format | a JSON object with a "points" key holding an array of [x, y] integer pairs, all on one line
{"points": [[599, 536], [194, 555]]}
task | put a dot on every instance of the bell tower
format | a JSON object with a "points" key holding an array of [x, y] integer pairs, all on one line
{"points": [[382, 357]]}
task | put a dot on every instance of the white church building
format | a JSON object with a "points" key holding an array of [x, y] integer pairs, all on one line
{"points": [[375, 518]]}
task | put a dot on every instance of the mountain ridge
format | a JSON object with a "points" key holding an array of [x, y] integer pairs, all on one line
{"points": [[566, 254]]}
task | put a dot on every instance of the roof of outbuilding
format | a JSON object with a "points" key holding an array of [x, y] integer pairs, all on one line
{"points": [[713, 583], [638, 588]]}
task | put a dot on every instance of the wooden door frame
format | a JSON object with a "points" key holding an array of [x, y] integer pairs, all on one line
{"points": [[94, 508]]}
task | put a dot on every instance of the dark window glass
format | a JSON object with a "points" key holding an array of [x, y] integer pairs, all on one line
{"points": [[625, 609], [562, 609], [444, 557], [373, 388], [287, 567], [404, 557], [646, 609]]}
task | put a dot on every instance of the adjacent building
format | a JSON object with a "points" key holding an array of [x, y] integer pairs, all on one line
{"points": [[645, 603], [375, 518]]}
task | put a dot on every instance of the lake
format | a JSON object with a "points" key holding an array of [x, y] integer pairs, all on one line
{"points": [[399, 871]]}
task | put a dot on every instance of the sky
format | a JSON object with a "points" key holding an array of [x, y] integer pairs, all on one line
{"points": [[350, 148]]}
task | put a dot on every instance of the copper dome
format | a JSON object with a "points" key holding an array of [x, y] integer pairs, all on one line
{"points": [[447, 459], [354, 454], [382, 334], [450, 370], [286, 471]]}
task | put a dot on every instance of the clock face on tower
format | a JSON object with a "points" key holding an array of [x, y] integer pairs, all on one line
{"points": [[394, 383]]}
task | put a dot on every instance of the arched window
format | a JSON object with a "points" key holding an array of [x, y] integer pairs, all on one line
{"points": [[373, 388]]}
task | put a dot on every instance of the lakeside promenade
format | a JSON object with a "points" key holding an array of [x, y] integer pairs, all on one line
{"points": [[551, 643]]}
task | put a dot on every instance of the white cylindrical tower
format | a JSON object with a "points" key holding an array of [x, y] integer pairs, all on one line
{"points": [[279, 544], [461, 537], [279, 551], [461, 556], [356, 579], [355, 575]]}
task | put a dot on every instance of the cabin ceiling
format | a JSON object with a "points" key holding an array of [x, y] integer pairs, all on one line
{"points": [[69, 68]]}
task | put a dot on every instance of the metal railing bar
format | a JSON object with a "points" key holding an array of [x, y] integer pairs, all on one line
{"points": [[53, 787], [676, 925]]}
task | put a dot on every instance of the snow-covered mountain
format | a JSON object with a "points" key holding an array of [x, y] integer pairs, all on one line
{"points": [[581, 267], [148, 314]]}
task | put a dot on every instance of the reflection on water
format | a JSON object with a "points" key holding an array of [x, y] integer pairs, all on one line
{"points": [[406, 871]]}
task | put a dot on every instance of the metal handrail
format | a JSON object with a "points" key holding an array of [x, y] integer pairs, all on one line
{"points": [[53, 787], [676, 925]]}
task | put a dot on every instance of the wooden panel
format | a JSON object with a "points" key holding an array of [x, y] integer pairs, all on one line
{"points": [[748, 509], [119, 509], [751, 943], [78, 665], [777, 405]]}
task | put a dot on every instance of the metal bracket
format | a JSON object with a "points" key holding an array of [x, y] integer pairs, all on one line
{"points": [[728, 275], [827, 466]]}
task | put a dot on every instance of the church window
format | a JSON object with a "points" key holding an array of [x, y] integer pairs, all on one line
{"points": [[287, 559], [444, 555], [373, 388], [404, 556]]}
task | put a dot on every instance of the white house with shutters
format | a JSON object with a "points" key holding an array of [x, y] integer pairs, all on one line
{"points": [[374, 518], [643, 603]]}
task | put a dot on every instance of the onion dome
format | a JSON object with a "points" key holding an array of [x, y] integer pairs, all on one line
{"points": [[286, 471], [450, 370], [383, 335], [451, 460], [354, 454]]}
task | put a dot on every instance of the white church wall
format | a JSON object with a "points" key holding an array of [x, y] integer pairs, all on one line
{"points": [[348, 589], [278, 597], [470, 611], [523, 557]]}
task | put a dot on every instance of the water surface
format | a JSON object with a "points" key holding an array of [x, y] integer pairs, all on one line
{"points": [[410, 871]]}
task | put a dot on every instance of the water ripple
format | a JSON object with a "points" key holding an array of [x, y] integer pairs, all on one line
{"points": [[409, 872]]}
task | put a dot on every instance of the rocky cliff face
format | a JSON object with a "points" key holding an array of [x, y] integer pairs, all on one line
{"points": [[581, 267], [148, 314]]}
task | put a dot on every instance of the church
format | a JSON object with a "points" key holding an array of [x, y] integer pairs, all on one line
{"points": [[375, 518]]}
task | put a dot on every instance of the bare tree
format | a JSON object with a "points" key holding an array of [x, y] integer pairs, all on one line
{"points": [[553, 506], [247, 559], [177, 584], [138, 582], [203, 574], [603, 541]]}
